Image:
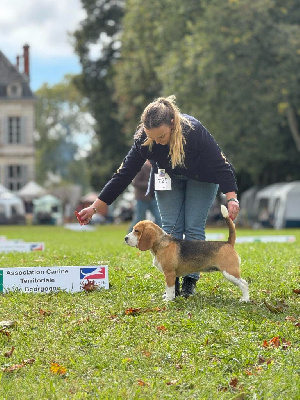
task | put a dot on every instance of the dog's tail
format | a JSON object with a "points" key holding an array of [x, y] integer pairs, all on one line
{"points": [[230, 224]]}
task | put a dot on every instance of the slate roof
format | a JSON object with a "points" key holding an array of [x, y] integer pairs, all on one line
{"points": [[9, 74]]}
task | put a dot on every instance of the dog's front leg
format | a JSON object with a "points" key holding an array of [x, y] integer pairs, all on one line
{"points": [[170, 279]]}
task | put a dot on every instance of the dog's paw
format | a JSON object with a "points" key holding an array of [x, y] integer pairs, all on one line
{"points": [[167, 298], [244, 300]]}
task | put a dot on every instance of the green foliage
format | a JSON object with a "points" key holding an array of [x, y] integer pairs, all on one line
{"points": [[101, 26], [232, 64], [127, 343], [61, 115]]}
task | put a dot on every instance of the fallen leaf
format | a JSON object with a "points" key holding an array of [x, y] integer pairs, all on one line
{"points": [[146, 353], [132, 311], [161, 328], [9, 353], [16, 367], [233, 383], [57, 369], [297, 291], [142, 383], [4, 332], [45, 313], [265, 343], [29, 361], [275, 341], [12, 368], [89, 286], [172, 382], [135, 311]]}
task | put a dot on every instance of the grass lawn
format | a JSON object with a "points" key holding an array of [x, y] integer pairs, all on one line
{"points": [[126, 343]]}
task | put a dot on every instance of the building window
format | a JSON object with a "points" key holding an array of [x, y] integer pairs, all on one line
{"points": [[15, 177], [14, 130], [14, 89]]}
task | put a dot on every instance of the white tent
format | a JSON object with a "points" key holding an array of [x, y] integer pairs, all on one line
{"points": [[247, 216], [280, 202], [287, 206], [47, 210], [3, 189], [31, 191], [12, 209]]}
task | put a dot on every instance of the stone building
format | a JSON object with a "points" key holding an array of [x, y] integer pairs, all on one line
{"points": [[17, 120]]}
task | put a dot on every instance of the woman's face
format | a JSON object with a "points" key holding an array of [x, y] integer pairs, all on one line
{"points": [[160, 135]]}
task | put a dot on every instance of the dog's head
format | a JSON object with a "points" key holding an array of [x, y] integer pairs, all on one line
{"points": [[143, 235]]}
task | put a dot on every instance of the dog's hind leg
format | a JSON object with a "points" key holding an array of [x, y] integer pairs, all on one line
{"points": [[170, 279], [241, 283]]}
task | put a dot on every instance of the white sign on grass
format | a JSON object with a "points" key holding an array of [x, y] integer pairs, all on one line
{"points": [[7, 246], [52, 279], [265, 239], [215, 236]]}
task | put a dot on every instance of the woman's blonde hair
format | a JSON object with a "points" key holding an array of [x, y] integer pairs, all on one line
{"points": [[161, 112]]}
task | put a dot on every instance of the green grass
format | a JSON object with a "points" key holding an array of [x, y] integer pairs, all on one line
{"points": [[207, 347]]}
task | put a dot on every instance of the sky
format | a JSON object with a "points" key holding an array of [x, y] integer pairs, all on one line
{"points": [[44, 26]]}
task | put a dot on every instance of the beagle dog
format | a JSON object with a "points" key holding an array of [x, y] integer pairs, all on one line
{"points": [[176, 257]]}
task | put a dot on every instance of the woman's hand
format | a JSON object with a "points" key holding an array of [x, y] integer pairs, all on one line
{"points": [[232, 205], [233, 209], [86, 214]]}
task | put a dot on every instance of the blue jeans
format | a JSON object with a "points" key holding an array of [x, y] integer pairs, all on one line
{"points": [[184, 209], [141, 208]]}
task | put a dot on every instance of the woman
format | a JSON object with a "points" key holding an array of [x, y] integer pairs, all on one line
{"points": [[145, 199], [188, 167]]}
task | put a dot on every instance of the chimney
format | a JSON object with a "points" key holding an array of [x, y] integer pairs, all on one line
{"points": [[26, 59], [18, 63]]}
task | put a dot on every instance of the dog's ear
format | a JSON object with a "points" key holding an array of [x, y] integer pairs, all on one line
{"points": [[147, 238]]}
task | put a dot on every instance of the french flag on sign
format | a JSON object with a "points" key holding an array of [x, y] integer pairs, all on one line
{"points": [[37, 247], [92, 273]]}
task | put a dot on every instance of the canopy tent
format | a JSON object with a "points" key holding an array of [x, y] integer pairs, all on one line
{"points": [[3, 189], [247, 216], [287, 206], [12, 209], [31, 191], [48, 209], [279, 204]]}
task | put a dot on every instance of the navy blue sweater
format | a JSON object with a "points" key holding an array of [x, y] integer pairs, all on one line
{"points": [[204, 161]]}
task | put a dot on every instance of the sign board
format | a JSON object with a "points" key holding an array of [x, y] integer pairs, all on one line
{"points": [[215, 236], [19, 246], [52, 279], [79, 228], [265, 239]]}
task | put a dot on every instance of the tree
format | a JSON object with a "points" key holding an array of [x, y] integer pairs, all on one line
{"points": [[62, 123], [101, 30], [233, 64]]}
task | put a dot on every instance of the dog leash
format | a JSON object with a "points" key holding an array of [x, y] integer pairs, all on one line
{"points": [[174, 226]]}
